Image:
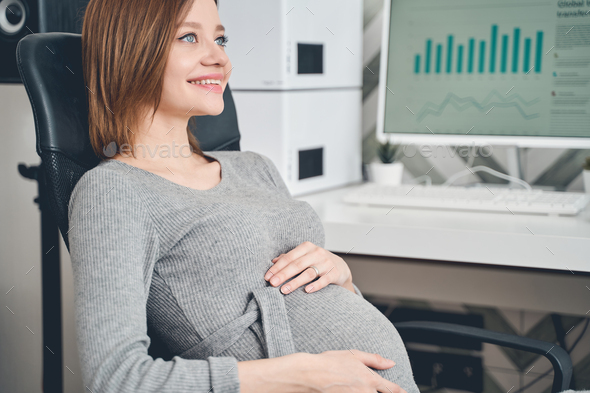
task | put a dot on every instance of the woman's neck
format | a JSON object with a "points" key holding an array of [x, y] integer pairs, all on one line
{"points": [[161, 143]]}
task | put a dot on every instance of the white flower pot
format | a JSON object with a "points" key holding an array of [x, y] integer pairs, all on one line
{"points": [[586, 174], [387, 174]]}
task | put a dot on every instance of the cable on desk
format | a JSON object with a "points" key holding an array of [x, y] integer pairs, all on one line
{"points": [[470, 171]]}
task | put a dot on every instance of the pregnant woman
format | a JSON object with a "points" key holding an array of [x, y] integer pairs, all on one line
{"points": [[165, 235]]}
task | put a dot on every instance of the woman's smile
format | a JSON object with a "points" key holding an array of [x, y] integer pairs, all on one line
{"points": [[211, 82]]}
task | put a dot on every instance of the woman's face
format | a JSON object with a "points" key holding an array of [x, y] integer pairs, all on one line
{"points": [[197, 52]]}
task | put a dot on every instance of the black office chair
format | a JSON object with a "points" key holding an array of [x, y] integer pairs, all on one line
{"points": [[51, 69]]}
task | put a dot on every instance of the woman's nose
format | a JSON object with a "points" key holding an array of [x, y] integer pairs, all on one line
{"points": [[216, 55]]}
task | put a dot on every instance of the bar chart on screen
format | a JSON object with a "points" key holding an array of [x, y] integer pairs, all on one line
{"points": [[494, 67], [491, 55]]}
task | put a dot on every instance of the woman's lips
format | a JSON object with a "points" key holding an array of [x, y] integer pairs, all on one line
{"points": [[210, 88]]}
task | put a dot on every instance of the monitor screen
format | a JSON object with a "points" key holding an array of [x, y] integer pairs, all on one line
{"points": [[499, 68]]}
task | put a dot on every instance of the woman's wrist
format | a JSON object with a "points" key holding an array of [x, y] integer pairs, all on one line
{"points": [[348, 285]]}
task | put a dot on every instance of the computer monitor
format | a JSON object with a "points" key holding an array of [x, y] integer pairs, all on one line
{"points": [[497, 72]]}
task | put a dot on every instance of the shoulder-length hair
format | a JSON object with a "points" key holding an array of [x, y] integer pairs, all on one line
{"points": [[125, 46]]}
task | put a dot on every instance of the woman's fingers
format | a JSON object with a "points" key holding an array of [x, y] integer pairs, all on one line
{"points": [[308, 275], [377, 361], [357, 369], [390, 387], [276, 258], [290, 264], [373, 360], [332, 269], [323, 281]]}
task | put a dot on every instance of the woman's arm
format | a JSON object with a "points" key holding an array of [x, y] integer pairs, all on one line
{"points": [[327, 372], [114, 244]]}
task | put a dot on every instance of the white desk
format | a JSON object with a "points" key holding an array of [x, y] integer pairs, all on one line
{"points": [[530, 241], [461, 257]]}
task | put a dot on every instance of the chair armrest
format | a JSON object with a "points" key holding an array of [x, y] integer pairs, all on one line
{"points": [[559, 358]]}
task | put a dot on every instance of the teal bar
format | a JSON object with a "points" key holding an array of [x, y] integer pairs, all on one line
{"points": [[526, 63], [449, 53], [427, 57], [482, 55], [539, 52], [438, 57], [471, 54], [504, 60], [459, 59], [493, 48], [417, 65], [516, 41]]}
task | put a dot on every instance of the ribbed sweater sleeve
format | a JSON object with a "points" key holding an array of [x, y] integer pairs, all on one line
{"points": [[113, 246]]}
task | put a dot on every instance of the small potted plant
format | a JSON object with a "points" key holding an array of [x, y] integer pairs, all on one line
{"points": [[586, 175], [386, 169]]}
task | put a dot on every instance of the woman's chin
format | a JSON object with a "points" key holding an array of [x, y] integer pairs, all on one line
{"points": [[214, 111], [207, 110]]}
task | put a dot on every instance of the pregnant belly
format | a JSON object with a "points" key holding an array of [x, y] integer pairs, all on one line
{"points": [[335, 318], [332, 318]]}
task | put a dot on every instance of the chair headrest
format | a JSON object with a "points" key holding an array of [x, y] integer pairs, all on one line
{"points": [[50, 65]]}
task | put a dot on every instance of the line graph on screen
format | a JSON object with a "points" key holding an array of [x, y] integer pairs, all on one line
{"points": [[494, 99]]}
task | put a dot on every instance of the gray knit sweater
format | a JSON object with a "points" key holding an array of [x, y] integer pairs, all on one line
{"points": [[191, 263]]}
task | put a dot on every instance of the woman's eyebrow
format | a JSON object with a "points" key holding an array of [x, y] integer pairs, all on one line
{"points": [[196, 25]]}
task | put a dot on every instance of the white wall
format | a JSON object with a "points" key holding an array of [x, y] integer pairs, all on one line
{"points": [[21, 349]]}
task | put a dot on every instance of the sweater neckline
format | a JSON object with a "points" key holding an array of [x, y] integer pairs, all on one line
{"points": [[165, 182]]}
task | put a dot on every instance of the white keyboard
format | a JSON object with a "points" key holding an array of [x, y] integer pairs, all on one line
{"points": [[485, 198]]}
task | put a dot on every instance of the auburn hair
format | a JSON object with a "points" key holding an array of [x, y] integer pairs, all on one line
{"points": [[125, 47]]}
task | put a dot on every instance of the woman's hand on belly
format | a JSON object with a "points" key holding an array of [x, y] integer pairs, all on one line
{"points": [[332, 268], [327, 372]]}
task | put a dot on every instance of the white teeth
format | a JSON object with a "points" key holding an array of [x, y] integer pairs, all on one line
{"points": [[207, 82]]}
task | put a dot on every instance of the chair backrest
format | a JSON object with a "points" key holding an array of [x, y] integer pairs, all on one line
{"points": [[50, 65]]}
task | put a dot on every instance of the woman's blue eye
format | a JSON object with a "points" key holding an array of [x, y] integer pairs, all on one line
{"points": [[224, 40], [192, 38]]}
